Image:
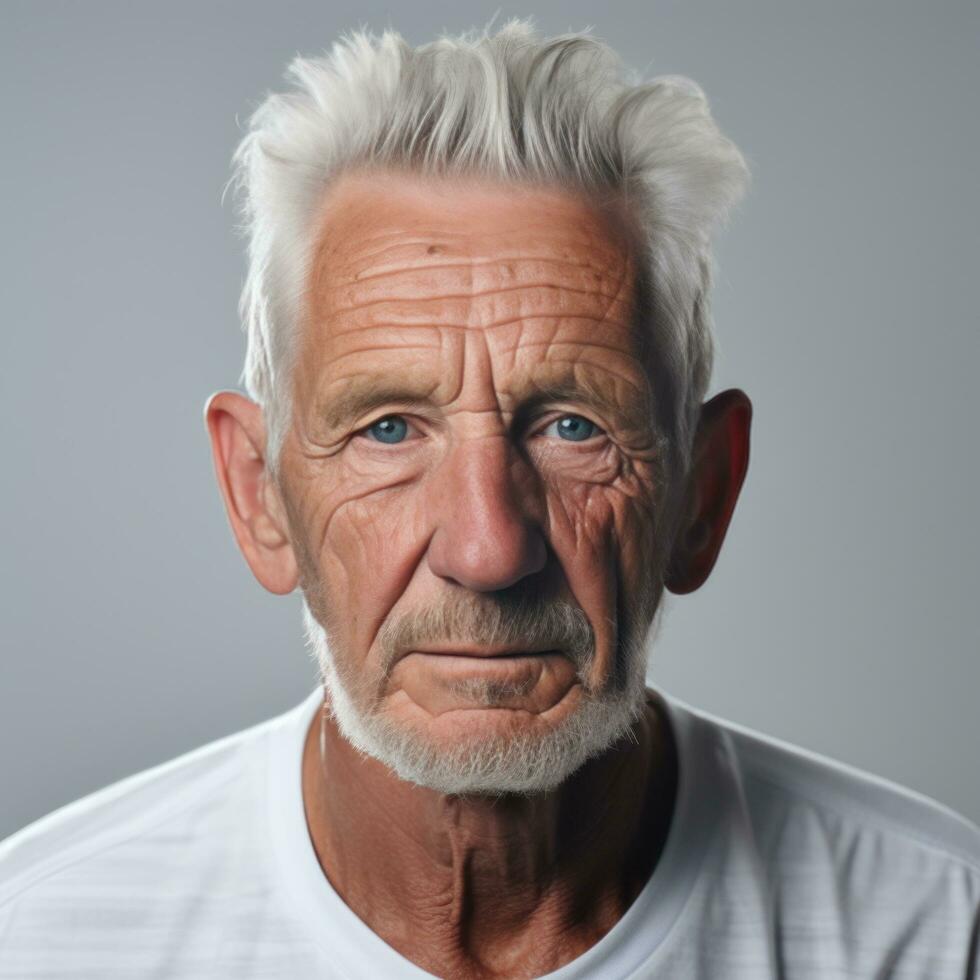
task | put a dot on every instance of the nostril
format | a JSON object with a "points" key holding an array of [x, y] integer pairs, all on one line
{"points": [[489, 561]]}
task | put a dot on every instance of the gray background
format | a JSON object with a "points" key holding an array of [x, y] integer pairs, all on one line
{"points": [[842, 612]]}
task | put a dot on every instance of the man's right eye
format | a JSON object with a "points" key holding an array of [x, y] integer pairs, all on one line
{"points": [[389, 429]]}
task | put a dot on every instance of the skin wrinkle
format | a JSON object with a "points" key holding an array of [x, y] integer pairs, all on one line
{"points": [[472, 294], [478, 410], [521, 321], [624, 280], [411, 241], [508, 265], [425, 274], [425, 320], [525, 690], [384, 528], [364, 544], [595, 343], [335, 415], [494, 385]]}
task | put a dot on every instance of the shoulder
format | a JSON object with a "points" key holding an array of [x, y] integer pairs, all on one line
{"points": [[861, 875], [168, 871], [146, 817], [786, 778]]}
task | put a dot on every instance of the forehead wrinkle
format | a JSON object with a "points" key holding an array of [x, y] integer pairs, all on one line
{"points": [[451, 307], [477, 351], [462, 315], [360, 250], [604, 261], [552, 342], [553, 319], [383, 248], [625, 283], [527, 288], [479, 294], [368, 212], [387, 331], [557, 377], [492, 273], [417, 239], [544, 259]]}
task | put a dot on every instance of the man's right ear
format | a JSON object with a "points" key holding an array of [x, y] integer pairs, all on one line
{"points": [[238, 439]]}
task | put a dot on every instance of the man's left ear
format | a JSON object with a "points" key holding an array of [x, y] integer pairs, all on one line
{"points": [[719, 460]]}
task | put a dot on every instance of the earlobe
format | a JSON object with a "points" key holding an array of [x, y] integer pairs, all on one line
{"points": [[719, 464], [237, 432]]}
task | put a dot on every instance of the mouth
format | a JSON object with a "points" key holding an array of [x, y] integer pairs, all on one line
{"points": [[491, 678], [496, 653]]}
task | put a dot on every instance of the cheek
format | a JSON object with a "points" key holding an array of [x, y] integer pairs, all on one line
{"points": [[639, 552], [367, 535], [581, 518], [351, 522], [589, 512], [366, 546], [604, 529]]}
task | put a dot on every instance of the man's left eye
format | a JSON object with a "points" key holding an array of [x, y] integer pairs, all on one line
{"points": [[573, 428]]}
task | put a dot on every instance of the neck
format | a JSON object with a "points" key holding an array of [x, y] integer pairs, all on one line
{"points": [[474, 886]]}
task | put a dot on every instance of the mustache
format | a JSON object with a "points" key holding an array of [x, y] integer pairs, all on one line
{"points": [[492, 621]]}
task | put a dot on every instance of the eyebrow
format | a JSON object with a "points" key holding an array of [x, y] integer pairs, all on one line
{"points": [[363, 396], [583, 392]]}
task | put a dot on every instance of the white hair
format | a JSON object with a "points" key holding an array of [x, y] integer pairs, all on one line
{"points": [[510, 105]]}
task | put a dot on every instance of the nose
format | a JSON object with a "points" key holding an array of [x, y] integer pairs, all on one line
{"points": [[485, 539]]}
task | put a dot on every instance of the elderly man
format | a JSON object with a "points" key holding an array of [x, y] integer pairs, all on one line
{"points": [[478, 344]]}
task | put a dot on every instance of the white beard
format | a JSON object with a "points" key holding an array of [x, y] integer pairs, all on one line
{"points": [[525, 763]]}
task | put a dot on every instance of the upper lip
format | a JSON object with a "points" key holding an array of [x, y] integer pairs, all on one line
{"points": [[471, 650]]}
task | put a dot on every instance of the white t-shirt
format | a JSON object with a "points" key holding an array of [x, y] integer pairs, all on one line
{"points": [[779, 863]]}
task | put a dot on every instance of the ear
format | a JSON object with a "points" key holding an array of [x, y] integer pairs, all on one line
{"points": [[255, 510], [719, 460]]}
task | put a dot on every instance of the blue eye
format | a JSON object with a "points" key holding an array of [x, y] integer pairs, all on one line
{"points": [[390, 429], [574, 428]]}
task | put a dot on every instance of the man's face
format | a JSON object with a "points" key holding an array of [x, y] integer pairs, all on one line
{"points": [[473, 467]]}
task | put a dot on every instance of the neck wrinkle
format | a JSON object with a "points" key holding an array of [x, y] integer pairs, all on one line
{"points": [[474, 880]]}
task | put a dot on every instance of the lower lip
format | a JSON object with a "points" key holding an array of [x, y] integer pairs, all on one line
{"points": [[463, 663], [543, 671]]}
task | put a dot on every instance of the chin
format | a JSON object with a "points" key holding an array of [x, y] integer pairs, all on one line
{"points": [[485, 750], [485, 757]]}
